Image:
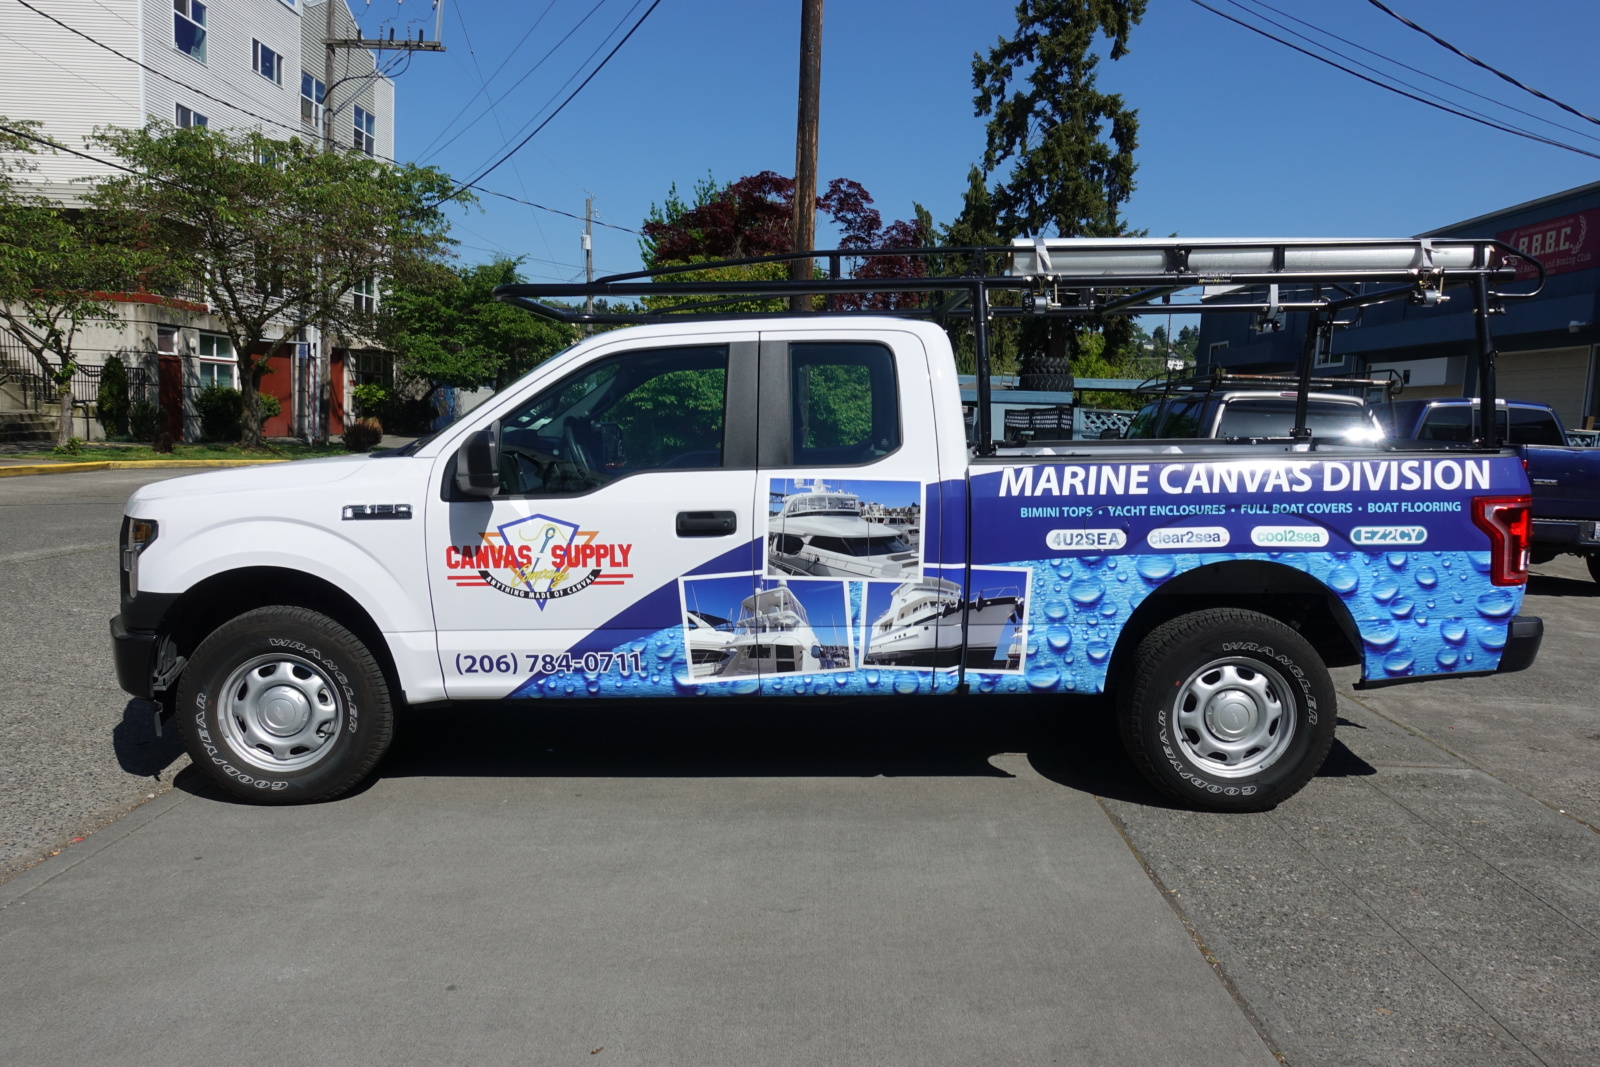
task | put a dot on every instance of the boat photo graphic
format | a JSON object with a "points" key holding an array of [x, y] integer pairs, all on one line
{"points": [[918, 622], [741, 626], [847, 529]]}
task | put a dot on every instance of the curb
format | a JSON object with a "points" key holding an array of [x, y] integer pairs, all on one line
{"points": [[127, 464]]}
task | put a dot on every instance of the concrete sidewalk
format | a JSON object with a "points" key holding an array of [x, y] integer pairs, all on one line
{"points": [[983, 914]]}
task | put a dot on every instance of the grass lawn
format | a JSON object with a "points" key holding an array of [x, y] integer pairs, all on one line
{"points": [[90, 453]]}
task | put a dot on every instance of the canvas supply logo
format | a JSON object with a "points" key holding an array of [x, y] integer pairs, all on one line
{"points": [[539, 558]]}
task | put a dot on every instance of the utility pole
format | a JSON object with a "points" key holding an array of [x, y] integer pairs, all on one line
{"points": [[805, 151], [588, 259], [321, 418]]}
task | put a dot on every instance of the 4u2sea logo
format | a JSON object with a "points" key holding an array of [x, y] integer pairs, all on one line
{"points": [[539, 558]]}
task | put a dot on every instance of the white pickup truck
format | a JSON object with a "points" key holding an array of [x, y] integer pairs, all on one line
{"points": [[789, 507]]}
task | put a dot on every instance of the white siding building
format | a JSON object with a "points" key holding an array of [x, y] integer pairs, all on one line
{"points": [[75, 65]]}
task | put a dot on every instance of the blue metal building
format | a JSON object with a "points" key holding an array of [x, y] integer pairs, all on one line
{"points": [[1547, 345]]}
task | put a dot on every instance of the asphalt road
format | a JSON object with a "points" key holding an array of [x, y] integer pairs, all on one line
{"points": [[982, 882]]}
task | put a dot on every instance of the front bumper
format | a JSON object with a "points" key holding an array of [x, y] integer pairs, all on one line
{"points": [[132, 650]]}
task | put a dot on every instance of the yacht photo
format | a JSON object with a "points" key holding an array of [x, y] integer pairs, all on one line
{"points": [[772, 636], [922, 625], [709, 638], [821, 532]]}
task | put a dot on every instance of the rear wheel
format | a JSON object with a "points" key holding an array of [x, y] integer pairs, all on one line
{"points": [[1227, 710], [1594, 566], [284, 705]]}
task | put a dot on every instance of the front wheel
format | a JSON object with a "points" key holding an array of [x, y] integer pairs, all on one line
{"points": [[1227, 710], [284, 705]]}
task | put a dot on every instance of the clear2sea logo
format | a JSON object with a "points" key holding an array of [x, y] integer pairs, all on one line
{"points": [[539, 558]]}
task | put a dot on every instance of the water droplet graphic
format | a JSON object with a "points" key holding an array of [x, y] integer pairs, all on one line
{"points": [[1043, 678], [841, 679], [1402, 607], [1480, 561], [1380, 635], [747, 686], [1426, 577], [1496, 605], [871, 677], [1098, 651], [1384, 590], [1085, 592], [1397, 560], [1343, 580], [1453, 631], [1397, 663], [1059, 638], [906, 683], [1492, 638], [1055, 610], [1447, 658]]}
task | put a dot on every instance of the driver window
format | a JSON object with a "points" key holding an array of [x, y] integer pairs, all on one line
{"points": [[660, 409]]}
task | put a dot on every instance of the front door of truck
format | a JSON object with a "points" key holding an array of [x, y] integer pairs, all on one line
{"points": [[618, 478], [850, 597]]}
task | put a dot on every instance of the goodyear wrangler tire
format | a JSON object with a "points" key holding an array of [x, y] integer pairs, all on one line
{"points": [[1227, 710], [283, 706]]}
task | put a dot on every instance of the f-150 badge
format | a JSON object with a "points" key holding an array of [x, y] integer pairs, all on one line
{"points": [[539, 558]]}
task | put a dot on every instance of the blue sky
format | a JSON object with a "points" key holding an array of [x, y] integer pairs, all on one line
{"points": [[1239, 135]]}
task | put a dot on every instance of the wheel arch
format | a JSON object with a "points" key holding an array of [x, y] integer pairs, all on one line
{"points": [[228, 594], [1271, 588]]}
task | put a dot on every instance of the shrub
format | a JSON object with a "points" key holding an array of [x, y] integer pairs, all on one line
{"points": [[362, 435], [269, 406], [163, 442], [144, 420], [371, 401], [221, 412], [111, 402], [73, 447]]}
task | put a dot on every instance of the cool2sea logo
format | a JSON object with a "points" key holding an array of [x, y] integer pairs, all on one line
{"points": [[539, 558]]}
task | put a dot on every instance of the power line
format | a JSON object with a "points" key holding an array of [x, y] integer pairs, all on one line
{"points": [[1367, 66], [557, 211], [525, 75], [1410, 96], [517, 147], [484, 86], [1423, 73], [1502, 75]]}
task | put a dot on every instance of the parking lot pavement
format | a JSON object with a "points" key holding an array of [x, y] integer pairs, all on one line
{"points": [[1431, 898], [79, 752], [748, 887]]}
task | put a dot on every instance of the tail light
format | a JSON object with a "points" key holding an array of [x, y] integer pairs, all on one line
{"points": [[1508, 520]]}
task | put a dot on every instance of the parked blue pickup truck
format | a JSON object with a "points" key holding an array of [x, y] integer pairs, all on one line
{"points": [[1566, 479]]}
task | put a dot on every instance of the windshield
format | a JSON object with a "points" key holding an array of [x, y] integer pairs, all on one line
{"points": [[1274, 417]]}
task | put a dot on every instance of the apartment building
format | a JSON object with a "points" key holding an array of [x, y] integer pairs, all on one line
{"points": [[75, 65]]}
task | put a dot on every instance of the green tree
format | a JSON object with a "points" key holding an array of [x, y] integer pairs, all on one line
{"points": [[1065, 148], [446, 328], [276, 234], [59, 269]]}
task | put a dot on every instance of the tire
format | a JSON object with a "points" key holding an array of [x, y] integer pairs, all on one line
{"points": [[1594, 566], [1227, 710], [284, 706]]}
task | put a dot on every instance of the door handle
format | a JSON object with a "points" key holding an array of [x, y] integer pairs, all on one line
{"points": [[707, 523]]}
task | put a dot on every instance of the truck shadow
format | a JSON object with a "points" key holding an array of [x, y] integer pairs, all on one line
{"points": [[1071, 743], [139, 751], [1555, 585]]}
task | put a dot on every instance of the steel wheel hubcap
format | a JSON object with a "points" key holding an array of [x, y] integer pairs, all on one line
{"points": [[280, 712], [1234, 717]]}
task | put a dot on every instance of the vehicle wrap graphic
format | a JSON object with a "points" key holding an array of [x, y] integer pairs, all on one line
{"points": [[539, 558], [1061, 557]]}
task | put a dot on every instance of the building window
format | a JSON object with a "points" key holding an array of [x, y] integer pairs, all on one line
{"points": [[167, 340], [311, 93], [217, 365], [189, 28], [188, 118], [365, 295], [266, 62], [366, 128]]}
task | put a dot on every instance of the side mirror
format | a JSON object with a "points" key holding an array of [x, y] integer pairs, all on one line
{"points": [[478, 463]]}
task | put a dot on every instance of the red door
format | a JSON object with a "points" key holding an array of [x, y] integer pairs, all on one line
{"points": [[170, 378]]}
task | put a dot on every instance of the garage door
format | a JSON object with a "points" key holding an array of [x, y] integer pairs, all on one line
{"points": [[1555, 376]]}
